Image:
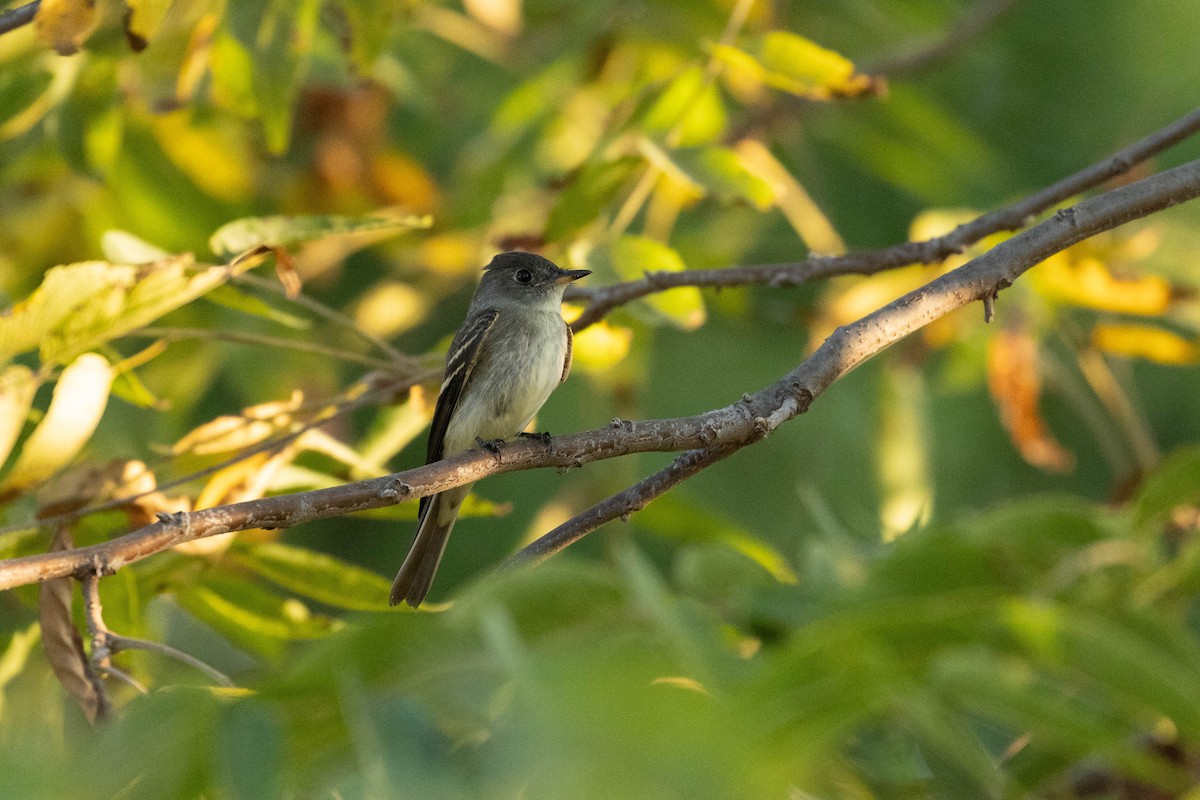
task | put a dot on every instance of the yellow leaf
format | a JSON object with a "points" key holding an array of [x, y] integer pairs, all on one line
{"points": [[142, 20], [230, 432], [802, 67], [1084, 280], [805, 217], [634, 256], [390, 308], [17, 387], [601, 346], [75, 410], [1144, 341], [65, 24], [1014, 380]]}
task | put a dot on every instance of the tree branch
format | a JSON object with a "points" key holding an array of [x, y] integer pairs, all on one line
{"points": [[602, 300], [977, 21], [20, 16], [622, 504], [734, 426]]}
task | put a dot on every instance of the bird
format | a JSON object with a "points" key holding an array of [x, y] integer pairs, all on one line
{"points": [[512, 350]]}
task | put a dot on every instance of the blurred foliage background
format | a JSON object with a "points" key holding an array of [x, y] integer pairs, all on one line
{"points": [[969, 571]]}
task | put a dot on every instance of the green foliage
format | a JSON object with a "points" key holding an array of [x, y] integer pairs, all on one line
{"points": [[982, 659], [970, 572]]}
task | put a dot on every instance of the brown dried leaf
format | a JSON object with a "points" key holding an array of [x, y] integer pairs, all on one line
{"points": [[1014, 381], [63, 645]]}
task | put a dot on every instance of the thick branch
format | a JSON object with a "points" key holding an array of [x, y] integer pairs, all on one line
{"points": [[605, 299], [621, 504], [733, 426]]}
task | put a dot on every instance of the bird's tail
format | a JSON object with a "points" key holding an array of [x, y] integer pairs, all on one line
{"points": [[416, 573]]}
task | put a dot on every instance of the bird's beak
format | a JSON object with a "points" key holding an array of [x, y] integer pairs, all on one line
{"points": [[568, 275]]}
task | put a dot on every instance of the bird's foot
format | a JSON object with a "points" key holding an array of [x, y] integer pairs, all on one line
{"points": [[491, 445], [543, 437]]}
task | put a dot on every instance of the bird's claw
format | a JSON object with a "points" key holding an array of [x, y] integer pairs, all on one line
{"points": [[543, 436], [491, 445]]}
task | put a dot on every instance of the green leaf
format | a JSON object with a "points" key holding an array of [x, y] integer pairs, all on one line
{"points": [[275, 40], [1175, 483], [79, 307], [283, 231], [586, 196], [722, 173], [690, 105], [130, 388], [234, 298], [631, 257], [673, 518], [250, 750], [251, 617], [315, 575]]}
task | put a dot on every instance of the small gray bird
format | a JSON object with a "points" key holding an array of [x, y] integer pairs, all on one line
{"points": [[510, 353]]}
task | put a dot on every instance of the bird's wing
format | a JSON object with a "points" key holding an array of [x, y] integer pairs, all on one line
{"points": [[570, 354], [464, 354]]}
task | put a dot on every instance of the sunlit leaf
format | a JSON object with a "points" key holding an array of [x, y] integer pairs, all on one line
{"points": [[81, 306], [1084, 280], [65, 24], [122, 247], [675, 519], [231, 297], [587, 194], [1014, 380], [283, 231], [1145, 341], [315, 575], [17, 387], [802, 67], [276, 40], [395, 427], [601, 346], [805, 217], [1174, 483], [16, 654], [75, 410], [142, 20], [722, 172], [235, 432], [690, 107], [634, 256], [902, 451], [251, 617]]}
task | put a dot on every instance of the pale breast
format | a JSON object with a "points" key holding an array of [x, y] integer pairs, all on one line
{"points": [[518, 376]]}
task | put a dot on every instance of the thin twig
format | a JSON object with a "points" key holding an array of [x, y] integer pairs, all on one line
{"points": [[117, 642], [602, 300], [18, 17], [277, 342], [324, 311], [736, 425], [977, 21]]}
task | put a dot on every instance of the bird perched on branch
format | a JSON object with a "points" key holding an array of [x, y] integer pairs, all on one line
{"points": [[509, 354]]}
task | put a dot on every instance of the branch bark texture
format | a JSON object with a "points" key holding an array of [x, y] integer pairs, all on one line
{"points": [[714, 434]]}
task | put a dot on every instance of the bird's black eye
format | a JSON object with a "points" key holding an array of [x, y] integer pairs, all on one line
{"points": [[523, 276]]}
